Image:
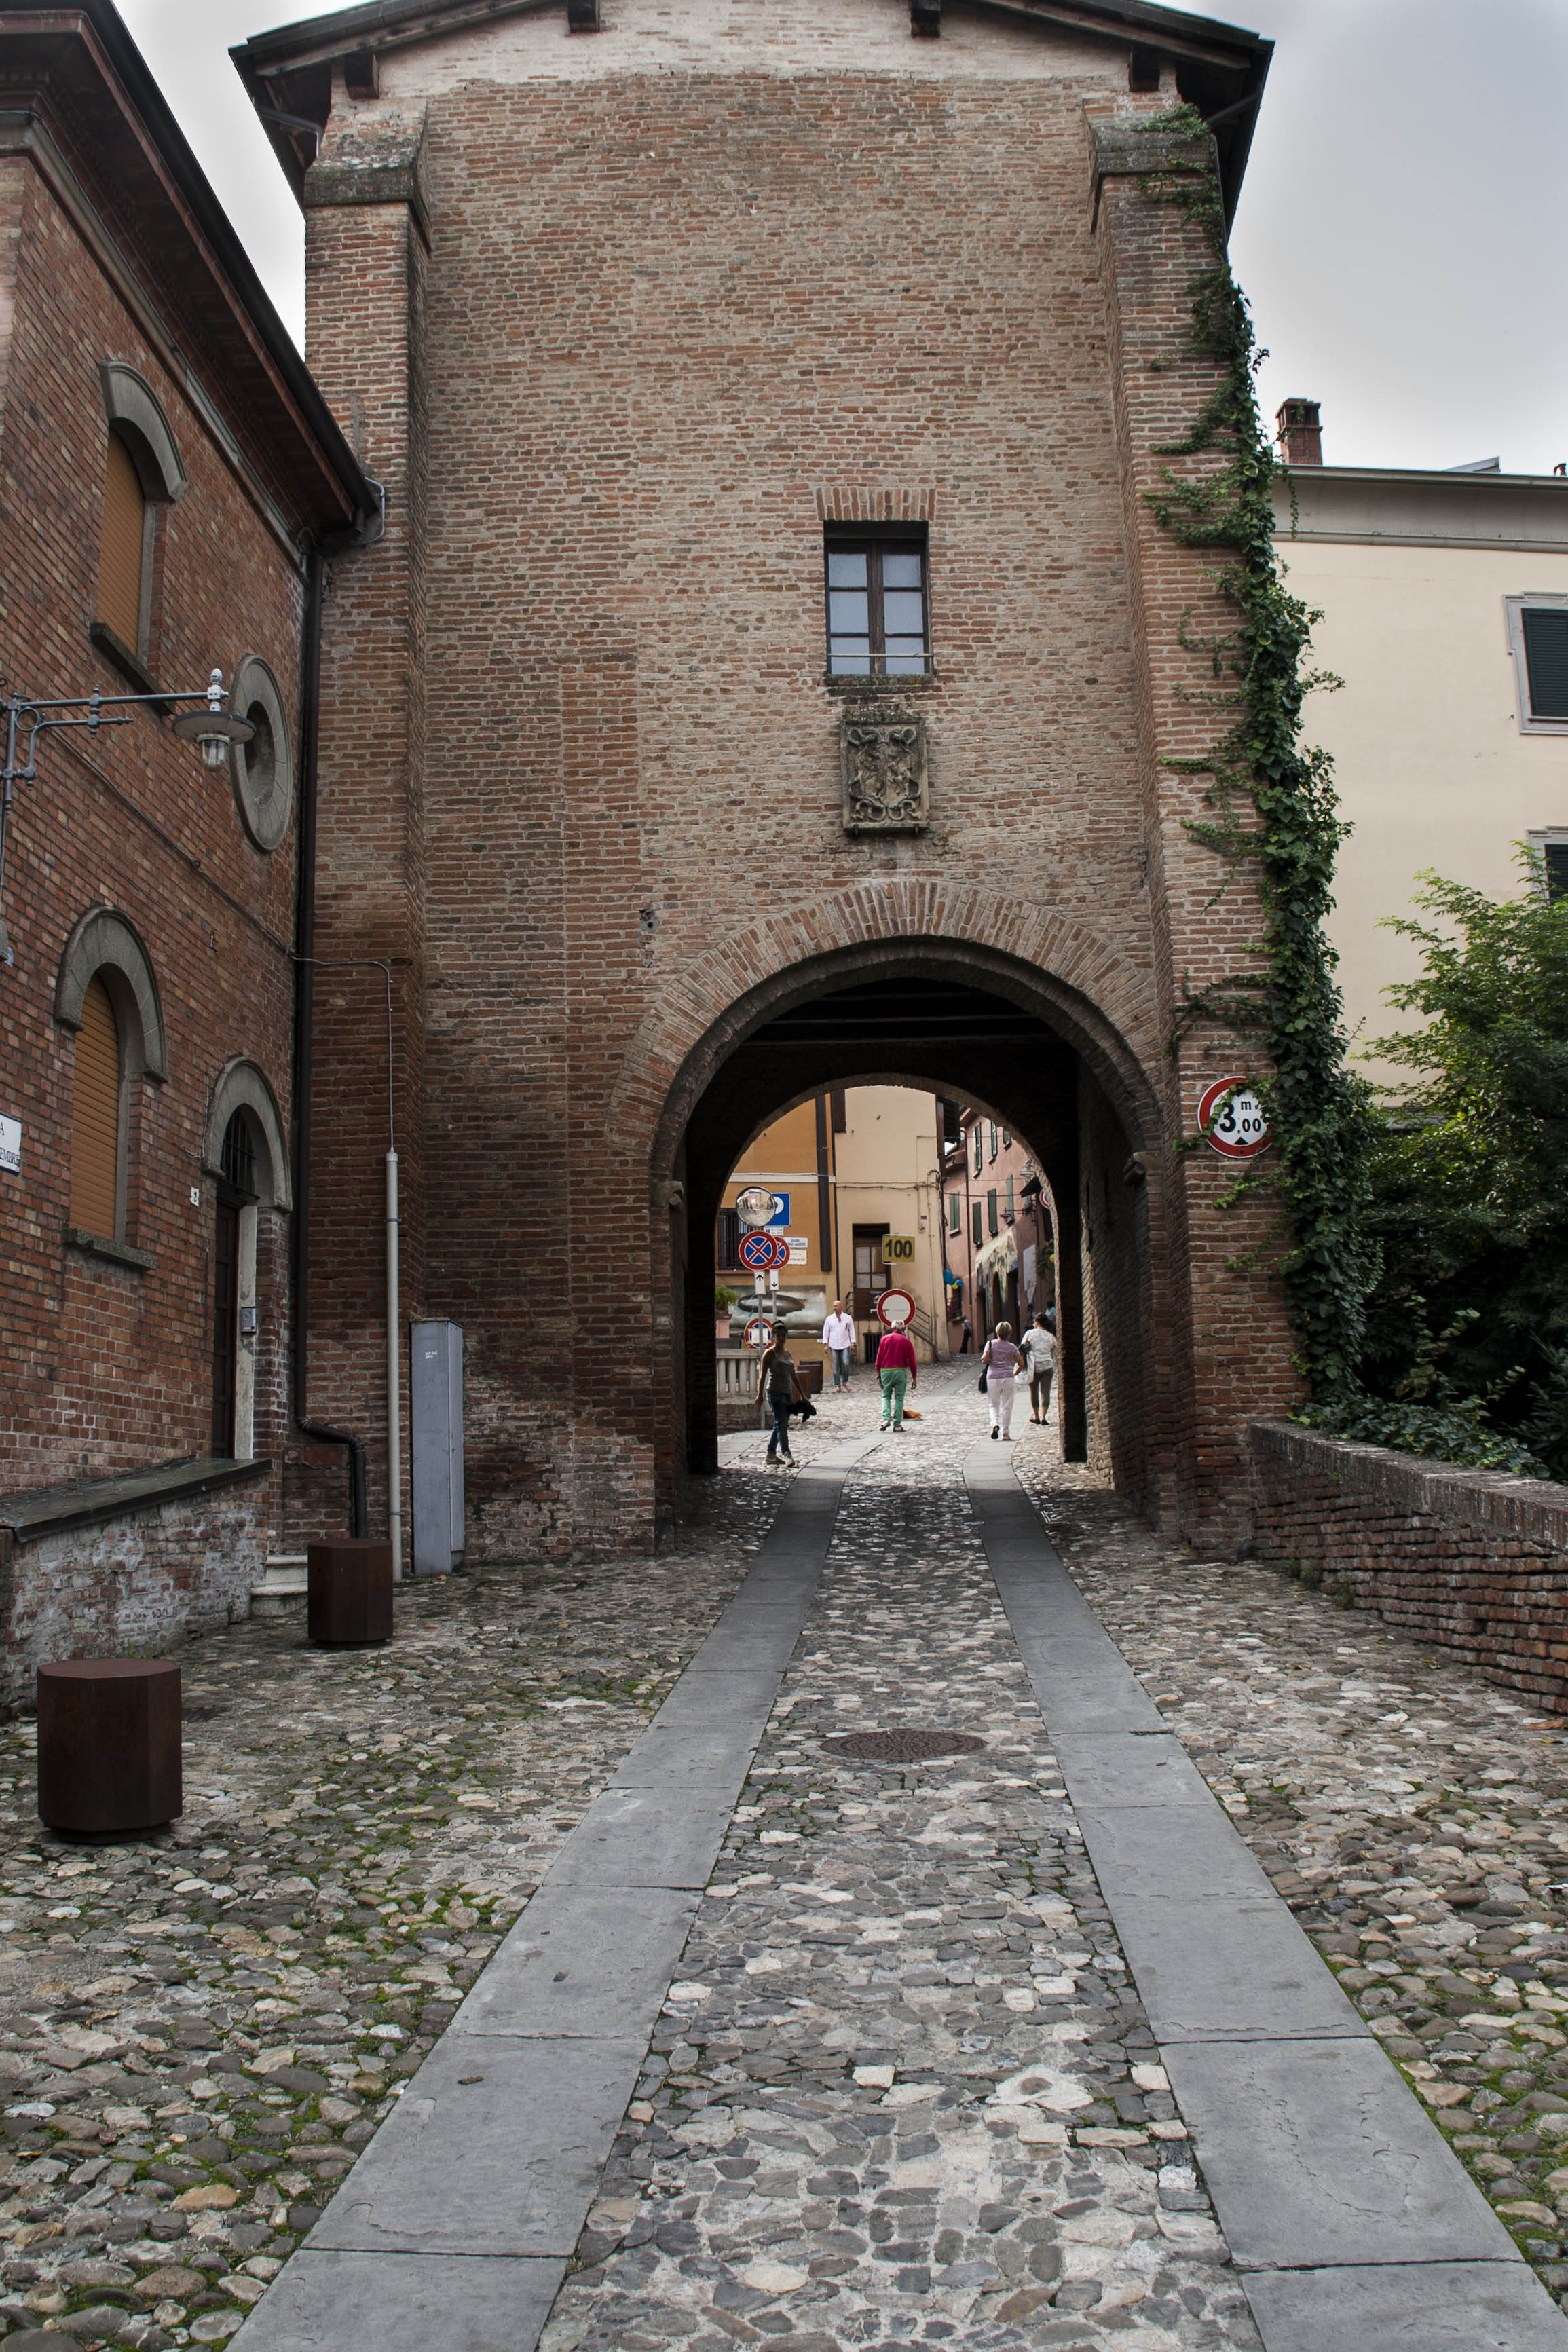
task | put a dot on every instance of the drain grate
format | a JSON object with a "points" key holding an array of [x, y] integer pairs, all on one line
{"points": [[903, 1747]]}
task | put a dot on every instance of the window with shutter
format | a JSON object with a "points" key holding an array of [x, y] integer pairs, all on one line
{"points": [[977, 1223], [1546, 661], [1555, 856], [95, 1133], [991, 1217], [120, 554]]}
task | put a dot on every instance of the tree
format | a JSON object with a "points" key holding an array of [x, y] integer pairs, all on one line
{"points": [[1466, 1352]]}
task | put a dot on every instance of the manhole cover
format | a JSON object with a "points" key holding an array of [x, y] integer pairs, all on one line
{"points": [[903, 1747]]}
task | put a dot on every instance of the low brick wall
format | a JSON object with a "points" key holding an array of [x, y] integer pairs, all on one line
{"points": [[137, 1580], [1467, 1559]]}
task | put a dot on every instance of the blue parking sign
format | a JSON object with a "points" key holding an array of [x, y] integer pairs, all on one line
{"points": [[780, 1210]]}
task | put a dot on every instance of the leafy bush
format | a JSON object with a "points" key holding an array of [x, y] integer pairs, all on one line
{"points": [[1466, 1349]]}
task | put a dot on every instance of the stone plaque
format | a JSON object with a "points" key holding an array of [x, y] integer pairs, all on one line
{"points": [[884, 755]]}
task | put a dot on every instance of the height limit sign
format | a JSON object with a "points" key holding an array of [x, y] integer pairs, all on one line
{"points": [[1232, 1119]]}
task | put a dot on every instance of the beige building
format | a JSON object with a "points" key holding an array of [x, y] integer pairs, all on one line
{"points": [[853, 1174], [1444, 613], [887, 1208]]}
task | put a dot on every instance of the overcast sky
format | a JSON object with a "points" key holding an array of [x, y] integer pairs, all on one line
{"points": [[1402, 230]]}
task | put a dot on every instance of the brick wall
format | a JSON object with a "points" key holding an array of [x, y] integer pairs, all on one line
{"points": [[132, 1586], [1471, 1560]]}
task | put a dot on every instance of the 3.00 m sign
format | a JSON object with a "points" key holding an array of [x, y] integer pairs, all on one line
{"points": [[1232, 1120]]}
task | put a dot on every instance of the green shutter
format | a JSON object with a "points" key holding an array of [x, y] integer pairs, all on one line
{"points": [[1546, 660]]}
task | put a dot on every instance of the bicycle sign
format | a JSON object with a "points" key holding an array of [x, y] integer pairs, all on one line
{"points": [[1232, 1120]]}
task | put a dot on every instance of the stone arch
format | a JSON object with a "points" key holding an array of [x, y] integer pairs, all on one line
{"points": [[241, 1086], [134, 413], [105, 944], [1098, 999]]}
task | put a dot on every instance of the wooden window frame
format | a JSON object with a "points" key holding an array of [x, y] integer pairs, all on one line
{"points": [[845, 539]]}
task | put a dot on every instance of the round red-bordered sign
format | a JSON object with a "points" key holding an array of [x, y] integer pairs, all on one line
{"points": [[758, 1333], [894, 1307], [758, 1253], [1232, 1119]]}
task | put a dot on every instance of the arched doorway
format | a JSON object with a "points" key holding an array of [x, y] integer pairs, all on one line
{"points": [[958, 1020]]}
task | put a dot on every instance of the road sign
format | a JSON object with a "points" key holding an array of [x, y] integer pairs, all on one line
{"points": [[894, 1307], [1232, 1120], [757, 1252], [756, 1205], [758, 1333], [898, 1249]]}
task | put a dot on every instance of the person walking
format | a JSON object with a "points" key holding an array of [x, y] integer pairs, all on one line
{"points": [[839, 1334], [968, 1336], [999, 1370], [898, 1370], [775, 1374], [1040, 1351]]}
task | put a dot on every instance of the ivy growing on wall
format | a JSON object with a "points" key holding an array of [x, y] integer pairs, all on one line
{"points": [[1273, 807]]}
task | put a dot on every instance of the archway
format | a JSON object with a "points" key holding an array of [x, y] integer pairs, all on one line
{"points": [[960, 1020]]}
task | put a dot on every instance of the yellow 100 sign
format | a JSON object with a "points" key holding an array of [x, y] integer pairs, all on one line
{"points": [[898, 1249]]}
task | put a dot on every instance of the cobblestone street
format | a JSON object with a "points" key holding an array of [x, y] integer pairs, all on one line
{"points": [[903, 2089]]}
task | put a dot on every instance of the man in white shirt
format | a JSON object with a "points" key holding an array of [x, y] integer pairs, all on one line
{"points": [[1040, 1347], [838, 1333]]}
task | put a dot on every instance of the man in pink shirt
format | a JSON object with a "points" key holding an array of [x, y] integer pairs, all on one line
{"points": [[896, 1371]]}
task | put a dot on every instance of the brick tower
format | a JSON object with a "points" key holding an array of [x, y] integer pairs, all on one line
{"points": [[769, 677]]}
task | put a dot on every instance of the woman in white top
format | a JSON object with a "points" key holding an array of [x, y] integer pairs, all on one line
{"points": [[999, 1364]]}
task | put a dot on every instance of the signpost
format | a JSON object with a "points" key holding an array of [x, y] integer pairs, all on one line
{"points": [[758, 1333], [895, 1308], [1232, 1120], [759, 1252]]}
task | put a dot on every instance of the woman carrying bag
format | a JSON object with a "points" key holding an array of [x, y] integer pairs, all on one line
{"points": [[998, 1378], [775, 1375]]}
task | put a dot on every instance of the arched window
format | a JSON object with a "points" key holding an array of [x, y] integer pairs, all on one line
{"points": [[94, 1192], [122, 563], [141, 473]]}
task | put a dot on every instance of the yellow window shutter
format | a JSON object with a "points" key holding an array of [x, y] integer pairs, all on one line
{"points": [[120, 561], [94, 1135]]}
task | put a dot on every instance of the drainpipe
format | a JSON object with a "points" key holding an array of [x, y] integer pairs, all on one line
{"points": [[304, 993]]}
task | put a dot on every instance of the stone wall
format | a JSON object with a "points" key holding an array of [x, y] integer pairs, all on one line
{"points": [[1471, 1560], [136, 1583]]}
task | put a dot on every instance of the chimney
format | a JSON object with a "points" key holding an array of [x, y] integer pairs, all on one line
{"points": [[1300, 435]]}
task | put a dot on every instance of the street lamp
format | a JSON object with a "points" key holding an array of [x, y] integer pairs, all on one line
{"points": [[210, 727]]}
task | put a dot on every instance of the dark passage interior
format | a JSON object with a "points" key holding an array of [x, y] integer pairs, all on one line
{"points": [[939, 1030]]}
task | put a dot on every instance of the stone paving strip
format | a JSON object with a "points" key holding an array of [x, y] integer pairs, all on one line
{"points": [[200, 2031], [1354, 2224], [464, 2213], [1414, 1816], [903, 2091]]}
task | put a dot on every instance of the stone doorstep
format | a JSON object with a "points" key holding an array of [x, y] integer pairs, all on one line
{"points": [[284, 1579]]}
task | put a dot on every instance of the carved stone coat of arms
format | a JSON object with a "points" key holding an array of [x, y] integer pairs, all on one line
{"points": [[885, 784]]}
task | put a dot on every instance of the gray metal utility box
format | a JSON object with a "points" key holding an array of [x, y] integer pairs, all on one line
{"points": [[436, 1407]]}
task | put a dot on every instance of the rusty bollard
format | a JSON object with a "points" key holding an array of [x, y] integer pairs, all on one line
{"points": [[109, 1745], [349, 1602]]}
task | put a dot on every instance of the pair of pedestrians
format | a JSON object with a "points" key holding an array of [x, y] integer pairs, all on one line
{"points": [[897, 1369], [999, 1369]]}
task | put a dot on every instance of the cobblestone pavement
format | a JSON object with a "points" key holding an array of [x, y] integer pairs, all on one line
{"points": [[1414, 1816], [904, 2092], [198, 2032]]}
